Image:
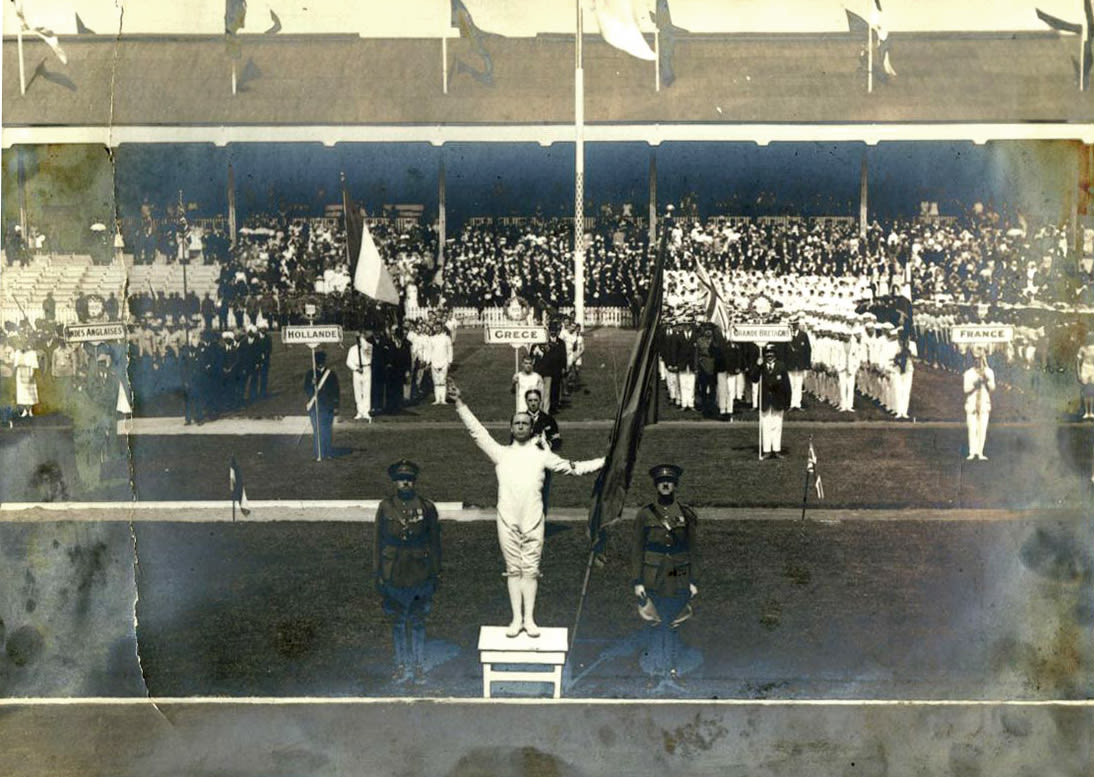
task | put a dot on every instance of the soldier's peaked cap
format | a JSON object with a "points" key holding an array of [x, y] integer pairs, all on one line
{"points": [[403, 468], [666, 472]]}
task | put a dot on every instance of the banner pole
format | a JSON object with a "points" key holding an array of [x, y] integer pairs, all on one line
{"points": [[22, 67]]}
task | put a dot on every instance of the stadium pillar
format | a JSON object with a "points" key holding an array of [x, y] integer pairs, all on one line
{"points": [[442, 214], [863, 197], [579, 174], [21, 175], [231, 205], [653, 196]]}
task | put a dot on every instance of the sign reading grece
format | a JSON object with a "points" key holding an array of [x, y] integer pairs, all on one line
{"points": [[509, 333]]}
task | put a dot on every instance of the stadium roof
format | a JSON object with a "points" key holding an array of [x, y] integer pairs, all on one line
{"points": [[346, 88]]}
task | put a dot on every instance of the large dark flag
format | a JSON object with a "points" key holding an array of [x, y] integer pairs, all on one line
{"points": [[639, 390]]}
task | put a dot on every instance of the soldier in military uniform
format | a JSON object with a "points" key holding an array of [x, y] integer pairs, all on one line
{"points": [[406, 564], [665, 566]]}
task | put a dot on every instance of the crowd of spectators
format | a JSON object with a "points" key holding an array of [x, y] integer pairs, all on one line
{"points": [[285, 269]]}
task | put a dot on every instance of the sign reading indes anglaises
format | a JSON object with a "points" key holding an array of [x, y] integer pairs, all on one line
{"points": [[760, 333], [107, 331], [978, 334], [312, 334], [515, 334]]}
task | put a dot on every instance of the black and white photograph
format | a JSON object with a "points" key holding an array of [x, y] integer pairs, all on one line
{"points": [[578, 387]]}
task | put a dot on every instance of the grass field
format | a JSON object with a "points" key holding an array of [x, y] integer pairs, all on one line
{"points": [[859, 609], [861, 465], [484, 372]]}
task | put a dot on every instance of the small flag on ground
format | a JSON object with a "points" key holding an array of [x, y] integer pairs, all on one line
{"points": [[239, 493], [619, 27], [811, 467], [370, 274]]}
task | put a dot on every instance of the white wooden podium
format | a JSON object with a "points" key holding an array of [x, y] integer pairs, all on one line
{"points": [[548, 650]]}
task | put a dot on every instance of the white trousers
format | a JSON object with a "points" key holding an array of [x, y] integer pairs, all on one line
{"points": [[771, 431], [797, 383], [726, 390], [903, 391], [687, 388], [440, 375], [978, 431], [362, 391], [846, 390]]}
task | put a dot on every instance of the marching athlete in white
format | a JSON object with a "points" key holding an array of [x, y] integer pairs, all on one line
{"points": [[359, 361], [520, 467], [979, 382], [439, 350]]}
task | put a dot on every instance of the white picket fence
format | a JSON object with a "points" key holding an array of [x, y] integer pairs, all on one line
{"points": [[597, 316]]}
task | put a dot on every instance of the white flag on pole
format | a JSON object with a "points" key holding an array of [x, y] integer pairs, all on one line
{"points": [[618, 22]]}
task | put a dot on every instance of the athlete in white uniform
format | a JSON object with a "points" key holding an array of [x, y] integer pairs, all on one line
{"points": [[520, 467]]}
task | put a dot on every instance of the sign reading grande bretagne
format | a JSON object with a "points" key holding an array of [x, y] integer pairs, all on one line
{"points": [[976, 334], [313, 334], [760, 333], [95, 333], [515, 334]]}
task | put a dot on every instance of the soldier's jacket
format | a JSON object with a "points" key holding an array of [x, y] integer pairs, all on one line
{"points": [[665, 551], [407, 547]]}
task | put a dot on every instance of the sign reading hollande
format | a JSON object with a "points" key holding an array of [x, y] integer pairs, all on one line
{"points": [[313, 334], [981, 334], [95, 333], [760, 333], [515, 334]]}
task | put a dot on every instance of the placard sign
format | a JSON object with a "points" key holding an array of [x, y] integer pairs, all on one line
{"points": [[981, 334], [511, 334], [760, 333], [311, 335], [95, 333]]}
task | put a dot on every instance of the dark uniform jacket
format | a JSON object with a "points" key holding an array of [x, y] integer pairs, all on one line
{"points": [[799, 352], [407, 547], [774, 386], [665, 550], [543, 424]]}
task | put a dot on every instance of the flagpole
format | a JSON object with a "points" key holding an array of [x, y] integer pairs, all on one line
{"points": [[1082, 58], [444, 62], [652, 319], [579, 171], [869, 58], [233, 77], [657, 61], [22, 67]]}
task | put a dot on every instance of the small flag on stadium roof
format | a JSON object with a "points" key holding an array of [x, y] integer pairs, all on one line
{"points": [[618, 22], [46, 35], [239, 493]]}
